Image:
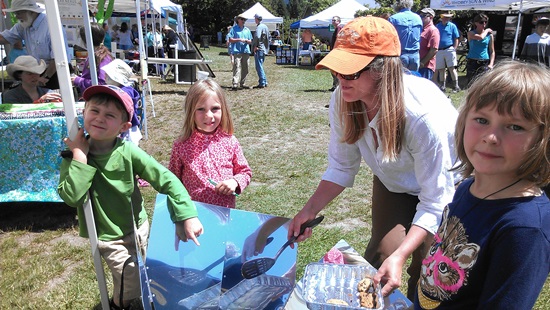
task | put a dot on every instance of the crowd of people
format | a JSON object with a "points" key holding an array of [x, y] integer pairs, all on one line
{"points": [[30, 37], [431, 49], [459, 192]]}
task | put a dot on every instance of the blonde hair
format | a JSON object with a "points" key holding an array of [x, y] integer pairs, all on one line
{"points": [[511, 85], [388, 75], [197, 93]]}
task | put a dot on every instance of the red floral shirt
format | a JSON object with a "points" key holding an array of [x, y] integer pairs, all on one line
{"points": [[217, 156]]}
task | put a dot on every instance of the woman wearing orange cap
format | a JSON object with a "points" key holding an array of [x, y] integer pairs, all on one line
{"points": [[402, 126]]}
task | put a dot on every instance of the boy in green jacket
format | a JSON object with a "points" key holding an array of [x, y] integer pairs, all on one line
{"points": [[105, 166]]}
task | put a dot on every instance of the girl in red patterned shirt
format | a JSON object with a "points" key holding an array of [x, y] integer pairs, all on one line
{"points": [[207, 152]]}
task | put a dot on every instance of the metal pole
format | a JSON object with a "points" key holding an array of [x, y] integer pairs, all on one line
{"points": [[65, 85], [517, 30]]}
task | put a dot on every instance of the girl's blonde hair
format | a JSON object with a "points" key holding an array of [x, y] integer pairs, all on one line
{"points": [[510, 85], [197, 93], [388, 74]]}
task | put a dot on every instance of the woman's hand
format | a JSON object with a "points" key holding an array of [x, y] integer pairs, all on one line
{"points": [[294, 227], [389, 274]]}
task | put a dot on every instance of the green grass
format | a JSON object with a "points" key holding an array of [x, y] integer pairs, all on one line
{"points": [[284, 132]]}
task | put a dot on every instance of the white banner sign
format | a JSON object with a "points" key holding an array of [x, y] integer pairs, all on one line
{"points": [[462, 4], [70, 9]]}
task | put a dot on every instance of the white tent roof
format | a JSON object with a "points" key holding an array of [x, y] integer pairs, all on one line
{"points": [[490, 5], [345, 9], [267, 18]]}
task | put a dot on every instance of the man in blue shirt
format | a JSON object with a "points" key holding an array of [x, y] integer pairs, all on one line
{"points": [[408, 26], [446, 53], [261, 47], [240, 37]]}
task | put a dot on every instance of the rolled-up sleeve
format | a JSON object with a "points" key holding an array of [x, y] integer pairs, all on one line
{"points": [[431, 151]]}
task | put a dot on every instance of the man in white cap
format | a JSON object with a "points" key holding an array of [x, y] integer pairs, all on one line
{"points": [[260, 46], [33, 28], [429, 43], [240, 37], [446, 53]]}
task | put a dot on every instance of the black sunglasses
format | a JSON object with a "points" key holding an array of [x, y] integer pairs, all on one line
{"points": [[350, 77]]}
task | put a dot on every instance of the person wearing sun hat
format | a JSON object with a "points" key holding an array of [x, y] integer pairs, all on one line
{"points": [[445, 58], [402, 126], [33, 29], [240, 37], [26, 70]]}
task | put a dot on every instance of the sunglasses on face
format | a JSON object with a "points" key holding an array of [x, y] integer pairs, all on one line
{"points": [[350, 77], [482, 22]]}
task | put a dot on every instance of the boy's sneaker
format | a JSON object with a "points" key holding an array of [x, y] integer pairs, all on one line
{"points": [[456, 89], [442, 88]]}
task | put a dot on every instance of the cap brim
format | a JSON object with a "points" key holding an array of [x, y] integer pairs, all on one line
{"points": [[97, 89], [36, 10], [344, 62]]}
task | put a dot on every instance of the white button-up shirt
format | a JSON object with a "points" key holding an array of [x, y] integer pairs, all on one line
{"points": [[427, 154]]}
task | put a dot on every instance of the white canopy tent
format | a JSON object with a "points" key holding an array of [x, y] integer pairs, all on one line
{"points": [[492, 5], [345, 9], [268, 19]]}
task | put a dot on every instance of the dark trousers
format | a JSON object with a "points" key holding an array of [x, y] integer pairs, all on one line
{"points": [[155, 68], [474, 68], [392, 215]]}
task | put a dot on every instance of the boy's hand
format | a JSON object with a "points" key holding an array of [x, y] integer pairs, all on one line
{"points": [[189, 229], [80, 146], [227, 187]]}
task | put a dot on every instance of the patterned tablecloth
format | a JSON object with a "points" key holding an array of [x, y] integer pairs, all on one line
{"points": [[31, 137]]}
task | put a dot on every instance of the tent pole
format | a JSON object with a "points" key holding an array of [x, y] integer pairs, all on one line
{"points": [[62, 67], [89, 42], [297, 45], [143, 66], [517, 30]]}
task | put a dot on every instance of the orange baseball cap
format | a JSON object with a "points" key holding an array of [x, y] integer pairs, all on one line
{"points": [[359, 42]]}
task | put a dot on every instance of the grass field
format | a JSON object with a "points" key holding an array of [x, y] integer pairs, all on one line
{"points": [[284, 133]]}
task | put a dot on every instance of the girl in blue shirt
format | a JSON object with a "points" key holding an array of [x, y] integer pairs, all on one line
{"points": [[481, 53], [492, 250]]}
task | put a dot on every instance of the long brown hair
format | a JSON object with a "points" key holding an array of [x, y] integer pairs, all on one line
{"points": [[197, 93], [510, 85], [388, 72]]}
